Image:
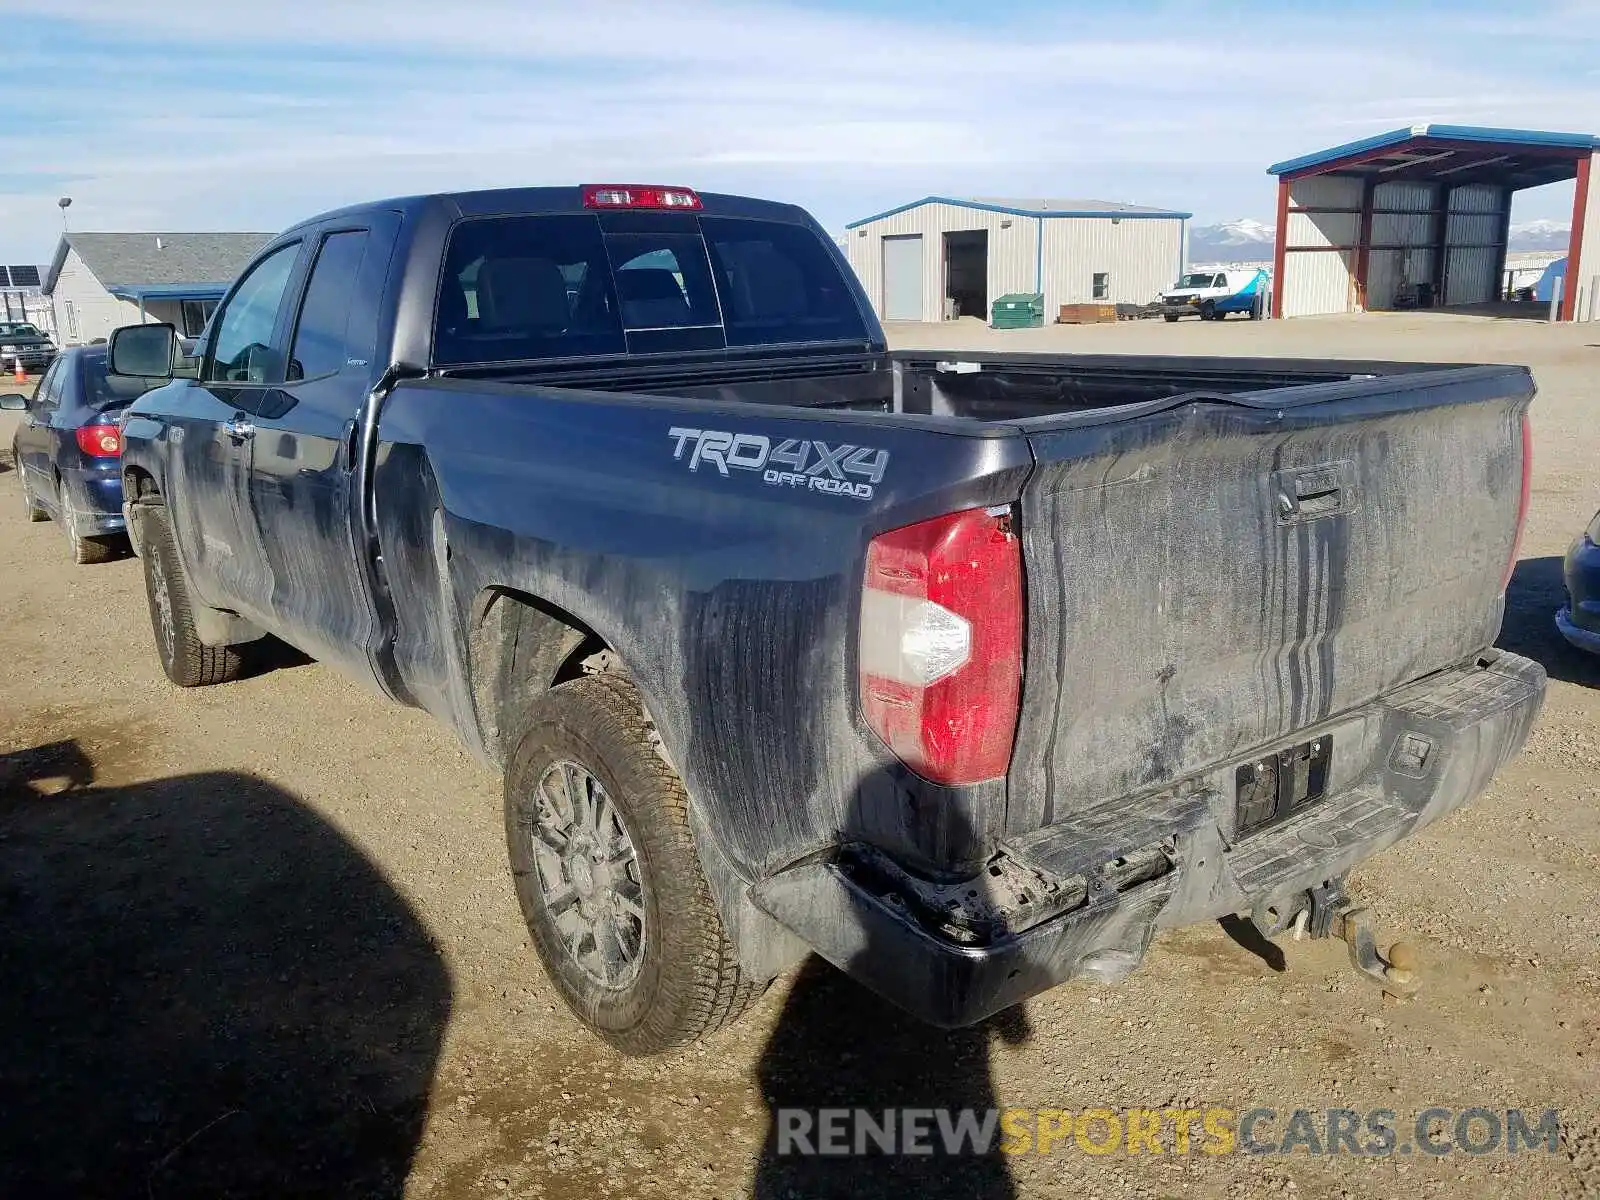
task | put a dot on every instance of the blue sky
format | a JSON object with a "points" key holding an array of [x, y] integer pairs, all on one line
{"points": [[236, 115]]}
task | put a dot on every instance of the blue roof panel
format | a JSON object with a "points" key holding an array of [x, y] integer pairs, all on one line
{"points": [[1453, 133], [168, 291]]}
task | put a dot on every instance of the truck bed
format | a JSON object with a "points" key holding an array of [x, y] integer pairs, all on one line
{"points": [[971, 386]]}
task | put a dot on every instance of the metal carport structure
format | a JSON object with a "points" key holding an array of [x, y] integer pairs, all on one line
{"points": [[1418, 211]]}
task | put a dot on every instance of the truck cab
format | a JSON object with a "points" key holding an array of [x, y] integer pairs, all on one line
{"points": [[1212, 295]]}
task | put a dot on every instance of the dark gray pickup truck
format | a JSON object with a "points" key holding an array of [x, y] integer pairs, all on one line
{"points": [[965, 671]]}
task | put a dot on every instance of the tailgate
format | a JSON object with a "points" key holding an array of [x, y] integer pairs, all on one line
{"points": [[1208, 579]]}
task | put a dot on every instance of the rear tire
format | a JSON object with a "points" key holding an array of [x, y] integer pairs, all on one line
{"points": [[86, 551], [618, 908], [187, 661]]}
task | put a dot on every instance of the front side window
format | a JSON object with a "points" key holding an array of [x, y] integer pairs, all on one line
{"points": [[241, 351], [319, 336]]}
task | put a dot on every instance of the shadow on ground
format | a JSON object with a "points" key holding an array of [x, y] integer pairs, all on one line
{"points": [[1535, 593], [1246, 936], [205, 990], [839, 1046]]}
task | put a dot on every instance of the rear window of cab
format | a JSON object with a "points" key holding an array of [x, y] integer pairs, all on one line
{"points": [[578, 285]]}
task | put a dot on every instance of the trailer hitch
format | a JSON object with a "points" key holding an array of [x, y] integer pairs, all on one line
{"points": [[1327, 911]]}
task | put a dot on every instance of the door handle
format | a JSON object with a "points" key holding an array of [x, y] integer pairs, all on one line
{"points": [[238, 429]]}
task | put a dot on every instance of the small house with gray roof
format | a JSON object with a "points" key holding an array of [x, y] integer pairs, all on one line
{"points": [[98, 281]]}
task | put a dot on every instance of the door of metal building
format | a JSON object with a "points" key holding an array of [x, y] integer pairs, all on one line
{"points": [[902, 278]]}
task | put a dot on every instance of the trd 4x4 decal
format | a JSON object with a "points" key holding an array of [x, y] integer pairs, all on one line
{"points": [[839, 470]]}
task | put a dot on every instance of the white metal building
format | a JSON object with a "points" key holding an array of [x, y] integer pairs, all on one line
{"points": [[1418, 217], [940, 256]]}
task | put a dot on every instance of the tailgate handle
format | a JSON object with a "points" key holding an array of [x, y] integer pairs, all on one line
{"points": [[1313, 492]]}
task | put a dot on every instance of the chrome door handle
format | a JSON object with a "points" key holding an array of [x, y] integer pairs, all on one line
{"points": [[239, 429]]}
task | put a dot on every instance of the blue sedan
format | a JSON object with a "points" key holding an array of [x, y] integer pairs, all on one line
{"points": [[1579, 621], [68, 450]]}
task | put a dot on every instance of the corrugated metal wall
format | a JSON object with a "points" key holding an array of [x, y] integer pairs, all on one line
{"points": [[1402, 196], [1317, 279], [1325, 191], [1477, 198], [1013, 251], [1404, 232], [1323, 228], [1142, 257], [1389, 270], [1317, 282], [1474, 251]]}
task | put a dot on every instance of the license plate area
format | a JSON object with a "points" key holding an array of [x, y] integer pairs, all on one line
{"points": [[1276, 786]]}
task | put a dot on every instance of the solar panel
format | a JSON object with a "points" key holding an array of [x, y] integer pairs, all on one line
{"points": [[24, 276]]}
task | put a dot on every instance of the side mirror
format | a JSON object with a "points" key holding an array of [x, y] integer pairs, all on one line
{"points": [[144, 350], [13, 402]]}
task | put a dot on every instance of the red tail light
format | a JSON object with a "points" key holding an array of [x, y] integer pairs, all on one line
{"points": [[100, 441], [638, 195], [941, 644], [1522, 503]]}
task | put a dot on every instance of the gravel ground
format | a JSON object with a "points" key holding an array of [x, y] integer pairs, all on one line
{"points": [[260, 939]]}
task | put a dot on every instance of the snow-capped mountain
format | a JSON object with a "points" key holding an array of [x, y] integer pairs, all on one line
{"points": [[1540, 235], [1244, 240], [1250, 240]]}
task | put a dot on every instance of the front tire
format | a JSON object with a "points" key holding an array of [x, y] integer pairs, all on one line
{"points": [[597, 826], [1170, 318], [1208, 311], [35, 513], [187, 661]]}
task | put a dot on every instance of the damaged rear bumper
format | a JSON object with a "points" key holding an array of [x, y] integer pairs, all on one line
{"points": [[1082, 898]]}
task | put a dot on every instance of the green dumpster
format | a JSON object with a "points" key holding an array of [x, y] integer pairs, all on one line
{"points": [[1020, 310]]}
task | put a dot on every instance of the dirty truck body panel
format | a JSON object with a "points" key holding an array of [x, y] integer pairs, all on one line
{"points": [[1258, 594]]}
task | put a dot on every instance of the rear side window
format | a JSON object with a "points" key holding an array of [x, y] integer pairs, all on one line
{"points": [[535, 287], [779, 283], [49, 389], [319, 336]]}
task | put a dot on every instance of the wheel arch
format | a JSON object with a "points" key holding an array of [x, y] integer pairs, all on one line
{"points": [[519, 646]]}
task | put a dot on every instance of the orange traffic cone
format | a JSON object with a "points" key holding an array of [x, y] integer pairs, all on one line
{"points": [[21, 375]]}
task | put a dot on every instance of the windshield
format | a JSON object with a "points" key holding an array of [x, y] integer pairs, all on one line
{"points": [[1196, 281], [18, 329], [533, 287], [103, 390]]}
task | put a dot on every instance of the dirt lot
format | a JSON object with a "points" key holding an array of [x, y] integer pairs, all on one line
{"points": [[260, 939]]}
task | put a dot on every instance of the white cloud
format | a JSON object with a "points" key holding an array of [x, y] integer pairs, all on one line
{"points": [[341, 100]]}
